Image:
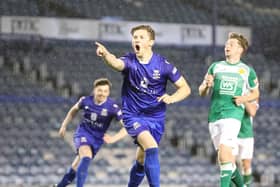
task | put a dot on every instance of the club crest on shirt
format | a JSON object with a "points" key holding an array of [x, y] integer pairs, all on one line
{"points": [[156, 74], [241, 71], [104, 112]]}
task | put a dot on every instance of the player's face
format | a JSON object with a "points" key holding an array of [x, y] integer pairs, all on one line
{"points": [[141, 42], [233, 48], [101, 93]]}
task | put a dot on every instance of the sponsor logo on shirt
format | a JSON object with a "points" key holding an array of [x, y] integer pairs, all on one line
{"points": [[93, 116], [228, 85]]}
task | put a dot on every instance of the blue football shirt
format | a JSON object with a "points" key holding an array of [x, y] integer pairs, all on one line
{"points": [[97, 118], [144, 83]]}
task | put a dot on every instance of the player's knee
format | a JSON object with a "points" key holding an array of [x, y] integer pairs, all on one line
{"points": [[246, 164], [225, 154], [146, 140], [85, 151]]}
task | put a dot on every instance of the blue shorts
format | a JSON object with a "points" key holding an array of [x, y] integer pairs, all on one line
{"points": [[136, 125], [83, 137]]}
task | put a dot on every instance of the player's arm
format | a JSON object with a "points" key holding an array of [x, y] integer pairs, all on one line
{"points": [[253, 95], [118, 136], [109, 58], [206, 85], [183, 91], [70, 115], [251, 108]]}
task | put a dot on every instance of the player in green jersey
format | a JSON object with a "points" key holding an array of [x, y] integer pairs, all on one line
{"points": [[229, 80], [245, 142]]}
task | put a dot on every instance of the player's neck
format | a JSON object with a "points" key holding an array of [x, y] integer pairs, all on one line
{"points": [[233, 60], [97, 102], [146, 57]]}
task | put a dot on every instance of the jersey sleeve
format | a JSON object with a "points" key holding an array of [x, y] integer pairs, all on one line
{"points": [[253, 79], [117, 112], [210, 70], [127, 62], [81, 102], [172, 72]]}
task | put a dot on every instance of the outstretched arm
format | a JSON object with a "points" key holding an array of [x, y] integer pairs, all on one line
{"points": [[118, 136], [108, 57], [70, 115], [183, 91]]}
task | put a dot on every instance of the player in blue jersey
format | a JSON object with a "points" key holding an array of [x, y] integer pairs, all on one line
{"points": [[98, 112], [144, 99]]}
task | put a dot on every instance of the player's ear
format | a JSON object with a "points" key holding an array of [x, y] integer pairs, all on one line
{"points": [[241, 50], [151, 43]]}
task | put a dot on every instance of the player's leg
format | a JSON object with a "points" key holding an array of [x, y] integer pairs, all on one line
{"points": [[70, 174], [137, 172], [236, 177], [247, 171], [151, 163], [246, 157], [226, 166], [224, 136], [85, 154]]}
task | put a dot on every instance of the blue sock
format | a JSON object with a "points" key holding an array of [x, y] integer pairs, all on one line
{"points": [[137, 174], [152, 167], [82, 171], [67, 178]]}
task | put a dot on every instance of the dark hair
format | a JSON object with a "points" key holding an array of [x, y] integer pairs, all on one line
{"points": [[101, 82], [148, 28], [243, 42]]}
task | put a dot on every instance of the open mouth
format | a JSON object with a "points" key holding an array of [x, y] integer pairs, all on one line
{"points": [[137, 47]]}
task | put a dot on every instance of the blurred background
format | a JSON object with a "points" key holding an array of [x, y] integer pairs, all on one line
{"points": [[48, 60]]}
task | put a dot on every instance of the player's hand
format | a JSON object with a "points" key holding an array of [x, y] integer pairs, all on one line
{"points": [[166, 99], [238, 100], [209, 80], [101, 49], [108, 139], [62, 131]]}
